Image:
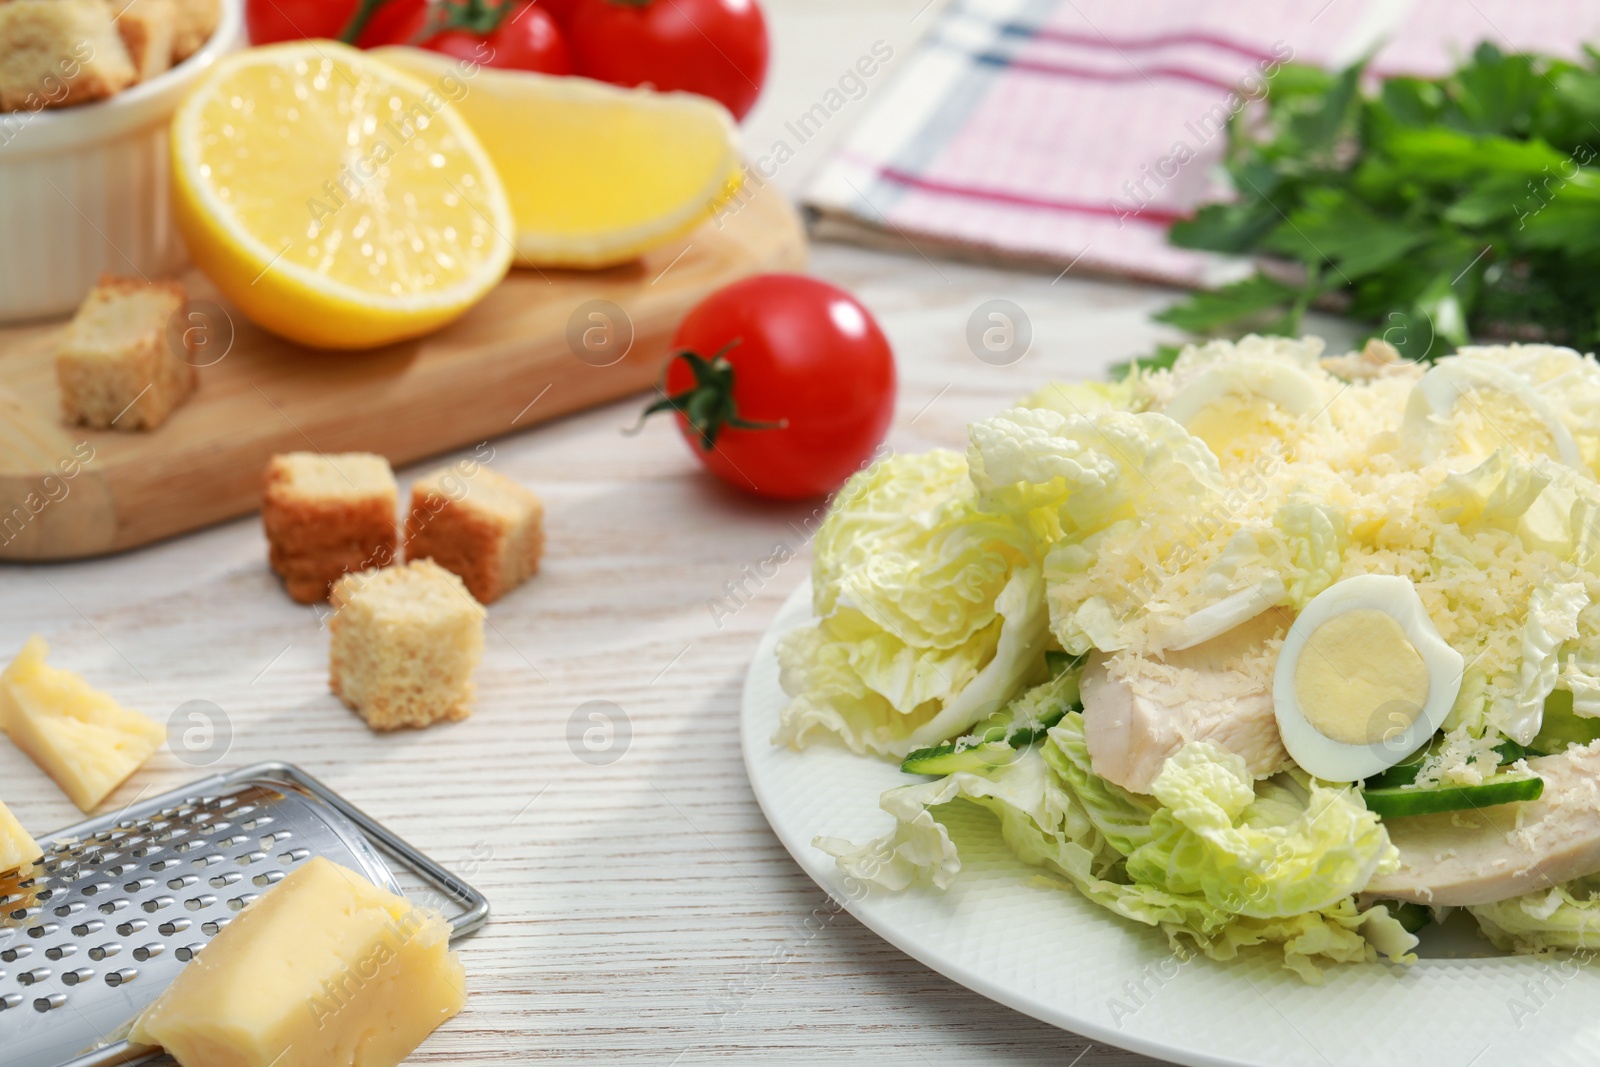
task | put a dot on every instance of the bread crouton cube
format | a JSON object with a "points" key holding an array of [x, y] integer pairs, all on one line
{"points": [[115, 366], [405, 643], [326, 516], [55, 53], [482, 526], [196, 21], [148, 28]]}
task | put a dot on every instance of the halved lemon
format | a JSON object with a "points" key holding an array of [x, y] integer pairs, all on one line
{"points": [[334, 199], [597, 174]]}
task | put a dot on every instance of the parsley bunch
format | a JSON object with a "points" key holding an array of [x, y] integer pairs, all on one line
{"points": [[1438, 210]]}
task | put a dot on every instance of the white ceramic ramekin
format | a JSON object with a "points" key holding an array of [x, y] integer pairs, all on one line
{"points": [[85, 189]]}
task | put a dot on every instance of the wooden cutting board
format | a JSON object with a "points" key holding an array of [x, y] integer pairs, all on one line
{"points": [[511, 362]]}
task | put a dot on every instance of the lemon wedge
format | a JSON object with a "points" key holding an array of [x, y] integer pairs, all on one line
{"points": [[597, 174], [336, 200]]}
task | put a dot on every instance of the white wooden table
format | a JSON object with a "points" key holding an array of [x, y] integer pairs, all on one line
{"points": [[643, 912]]}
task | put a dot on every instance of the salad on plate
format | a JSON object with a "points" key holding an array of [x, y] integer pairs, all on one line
{"points": [[1263, 649]]}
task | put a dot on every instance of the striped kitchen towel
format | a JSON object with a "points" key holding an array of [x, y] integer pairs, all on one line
{"points": [[1072, 133]]}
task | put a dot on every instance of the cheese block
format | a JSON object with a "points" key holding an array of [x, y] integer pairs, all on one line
{"points": [[77, 735], [17, 846], [324, 970]]}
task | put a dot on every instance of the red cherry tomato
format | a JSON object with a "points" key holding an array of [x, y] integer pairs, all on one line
{"points": [[792, 382], [270, 21], [522, 36], [389, 20], [717, 48], [560, 10]]}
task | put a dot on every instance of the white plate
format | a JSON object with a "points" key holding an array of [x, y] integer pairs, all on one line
{"points": [[1051, 954]]}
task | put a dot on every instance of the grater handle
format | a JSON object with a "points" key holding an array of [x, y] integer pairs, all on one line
{"points": [[476, 905]]}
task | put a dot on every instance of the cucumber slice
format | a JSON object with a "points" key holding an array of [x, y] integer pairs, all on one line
{"points": [[1401, 773], [1061, 690], [1510, 751], [1405, 773], [1411, 916], [1023, 721], [942, 760], [1059, 663], [994, 728], [990, 750], [1562, 727], [1027, 735], [1399, 801]]}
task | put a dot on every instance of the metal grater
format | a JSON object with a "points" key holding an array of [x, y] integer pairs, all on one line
{"points": [[121, 903]]}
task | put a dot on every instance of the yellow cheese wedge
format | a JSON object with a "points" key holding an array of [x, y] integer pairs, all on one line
{"points": [[77, 735], [325, 970], [17, 846]]}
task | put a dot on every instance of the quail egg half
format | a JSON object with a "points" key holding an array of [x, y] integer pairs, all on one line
{"points": [[1363, 679], [1499, 404], [1230, 400]]}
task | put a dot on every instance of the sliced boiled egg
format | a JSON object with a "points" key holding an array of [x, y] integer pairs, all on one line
{"points": [[1363, 679], [1225, 402], [1569, 381], [1472, 406], [1548, 368]]}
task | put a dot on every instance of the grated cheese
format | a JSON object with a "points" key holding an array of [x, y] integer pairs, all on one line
{"points": [[1483, 521]]}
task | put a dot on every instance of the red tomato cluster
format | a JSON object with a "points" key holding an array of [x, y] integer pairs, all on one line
{"points": [[512, 36], [717, 48]]}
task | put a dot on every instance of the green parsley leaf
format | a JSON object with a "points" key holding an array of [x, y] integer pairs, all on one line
{"points": [[1435, 209]]}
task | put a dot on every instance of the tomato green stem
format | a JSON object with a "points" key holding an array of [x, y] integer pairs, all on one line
{"points": [[358, 21], [480, 17], [708, 405]]}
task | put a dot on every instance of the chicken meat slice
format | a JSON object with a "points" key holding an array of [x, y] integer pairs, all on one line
{"points": [[1138, 709], [1478, 857]]}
